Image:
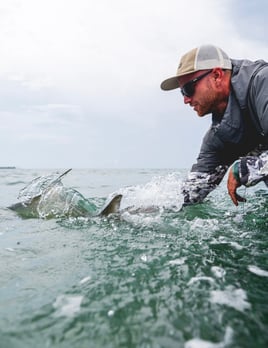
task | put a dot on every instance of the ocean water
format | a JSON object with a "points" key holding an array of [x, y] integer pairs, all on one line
{"points": [[193, 278]]}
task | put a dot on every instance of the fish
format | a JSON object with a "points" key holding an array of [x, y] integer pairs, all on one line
{"points": [[30, 209], [47, 197]]}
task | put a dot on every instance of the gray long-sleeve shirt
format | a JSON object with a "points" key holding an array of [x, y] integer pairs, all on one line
{"points": [[242, 128]]}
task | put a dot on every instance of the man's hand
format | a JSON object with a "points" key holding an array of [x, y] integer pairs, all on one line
{"points": [[232, 185]]}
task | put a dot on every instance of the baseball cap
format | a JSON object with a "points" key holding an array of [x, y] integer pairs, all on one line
{"points": [[200, 58]]}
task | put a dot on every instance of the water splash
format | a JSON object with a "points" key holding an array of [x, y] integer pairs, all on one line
{"points": [[62, 201], [232, 297], [162, 192]]}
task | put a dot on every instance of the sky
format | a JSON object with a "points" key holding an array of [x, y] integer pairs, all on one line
{"points": [[80, 79]]}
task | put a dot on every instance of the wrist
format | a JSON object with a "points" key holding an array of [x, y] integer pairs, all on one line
{"points": [[235, 171]]}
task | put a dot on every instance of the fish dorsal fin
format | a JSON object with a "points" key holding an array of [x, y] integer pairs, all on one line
{"points": [[66, 172], [112, 207]]}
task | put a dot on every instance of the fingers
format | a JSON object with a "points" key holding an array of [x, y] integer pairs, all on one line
{"points": [[236, 197], [240, 198], [233, 198]]}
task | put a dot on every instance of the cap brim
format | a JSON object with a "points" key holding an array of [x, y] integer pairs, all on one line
{"points": [[170, 83]]}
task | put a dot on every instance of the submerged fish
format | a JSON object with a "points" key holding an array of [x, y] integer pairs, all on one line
{"points": [[46, 197]]}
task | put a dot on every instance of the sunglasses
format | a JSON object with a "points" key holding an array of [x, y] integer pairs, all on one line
{"points": [[188, 89]]}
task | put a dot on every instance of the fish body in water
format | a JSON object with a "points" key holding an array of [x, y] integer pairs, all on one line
{"points": [[46, 197]]}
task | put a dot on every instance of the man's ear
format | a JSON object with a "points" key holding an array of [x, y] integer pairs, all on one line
{"points": [[217, 75]]}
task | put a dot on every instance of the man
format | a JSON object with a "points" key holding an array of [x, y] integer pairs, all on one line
{"points": [[235, 92]]}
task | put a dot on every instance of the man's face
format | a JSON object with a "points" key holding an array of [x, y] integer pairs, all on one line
{"points": [[202, 95]]}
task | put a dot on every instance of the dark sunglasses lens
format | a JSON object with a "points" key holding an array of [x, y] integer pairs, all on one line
{"points": [[188, 89]]}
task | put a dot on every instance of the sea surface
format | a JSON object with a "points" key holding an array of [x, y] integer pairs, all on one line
{"points": [[195, 277]]}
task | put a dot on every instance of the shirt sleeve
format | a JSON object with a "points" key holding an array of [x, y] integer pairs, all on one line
{"points": [[253, 169], [198, 185]]}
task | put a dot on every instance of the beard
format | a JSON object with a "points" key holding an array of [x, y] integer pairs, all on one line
{"points": [[211, 102]]}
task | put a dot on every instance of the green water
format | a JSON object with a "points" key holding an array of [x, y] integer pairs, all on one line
{"points": [[191, 278]]}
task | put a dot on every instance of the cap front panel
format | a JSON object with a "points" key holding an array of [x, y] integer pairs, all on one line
{"points": [[187, 63]]}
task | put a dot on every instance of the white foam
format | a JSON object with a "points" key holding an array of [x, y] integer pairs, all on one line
{"points": [[199, 343], [258, 271], [222, 240], [231, 297], [238, 218], [67, 306], [84, 280], [10, 249], [236, 245], [218, 271], [204, 224], [178, 262], [200, 278], [144, 258]]}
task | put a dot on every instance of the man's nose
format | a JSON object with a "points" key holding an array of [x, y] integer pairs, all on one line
{"points": [[186, 99]]}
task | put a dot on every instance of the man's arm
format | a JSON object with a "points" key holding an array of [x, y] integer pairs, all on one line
{"points": [[247, 171], [198, 185]]}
